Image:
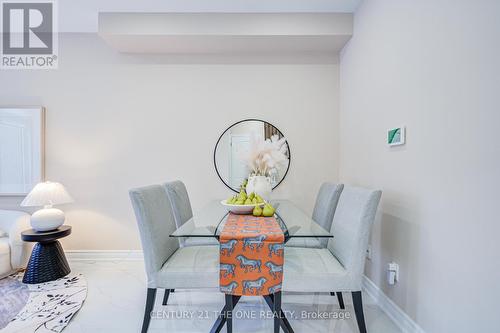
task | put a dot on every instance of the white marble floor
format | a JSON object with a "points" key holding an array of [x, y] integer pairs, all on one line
{"points": [[116, 297]]}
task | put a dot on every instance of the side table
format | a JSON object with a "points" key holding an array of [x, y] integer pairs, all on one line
{"points": [[47, 261]]}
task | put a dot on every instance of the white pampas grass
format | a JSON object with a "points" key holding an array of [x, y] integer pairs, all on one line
{"points": [[266, 156]]}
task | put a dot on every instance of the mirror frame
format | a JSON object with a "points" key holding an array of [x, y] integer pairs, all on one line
{"points": [[236, 123]]}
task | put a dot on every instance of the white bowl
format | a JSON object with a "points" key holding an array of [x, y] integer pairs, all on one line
{"points": [[240, 209]]}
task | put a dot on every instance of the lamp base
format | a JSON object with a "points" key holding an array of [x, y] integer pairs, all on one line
{"points": [[47, 219]]}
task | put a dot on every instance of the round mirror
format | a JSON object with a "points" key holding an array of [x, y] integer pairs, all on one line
{"points": [[249, 148]]}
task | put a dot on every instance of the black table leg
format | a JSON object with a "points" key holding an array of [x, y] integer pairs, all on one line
{"points": [[274, 303], [229, 313], [47, 263], [277, 311], [221, 319], [285, 324], [219, 323]]}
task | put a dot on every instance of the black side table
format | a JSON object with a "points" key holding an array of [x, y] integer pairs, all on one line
{"points": [[47, 261]]}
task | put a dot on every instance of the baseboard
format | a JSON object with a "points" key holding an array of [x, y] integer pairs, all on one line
{"points": [[103, 255], [393, 311]]}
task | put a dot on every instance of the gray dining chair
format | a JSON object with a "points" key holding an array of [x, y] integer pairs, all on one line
{"points": [[169, 266], [324, 210], [181, 206], [340, 266]]}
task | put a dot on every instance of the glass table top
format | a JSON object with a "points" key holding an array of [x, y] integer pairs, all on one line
{"points": [[210, 221]]}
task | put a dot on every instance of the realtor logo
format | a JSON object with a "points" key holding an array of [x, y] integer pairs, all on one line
{"points": [[29, 36]]}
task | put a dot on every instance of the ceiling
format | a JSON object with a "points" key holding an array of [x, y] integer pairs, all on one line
{"points": [[81, 15]]}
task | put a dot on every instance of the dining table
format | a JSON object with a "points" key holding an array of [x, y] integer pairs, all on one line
{"points": [[294, 223]]}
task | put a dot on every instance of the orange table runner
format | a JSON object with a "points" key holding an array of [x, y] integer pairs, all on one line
{"points": [[251, 255]]}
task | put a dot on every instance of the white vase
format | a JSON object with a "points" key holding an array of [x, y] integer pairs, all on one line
{"points": [[260, 185], [249, 187]]}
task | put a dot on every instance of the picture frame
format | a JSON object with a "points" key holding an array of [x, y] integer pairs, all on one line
{"points": [[396, 136], [22, 149]]}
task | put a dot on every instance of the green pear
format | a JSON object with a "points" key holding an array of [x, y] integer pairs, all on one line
{"points": [[268, 210], [239, 202], [257, 211], [229, 200], [248, 201], [252, 195], [259, 199], [254, 201]]}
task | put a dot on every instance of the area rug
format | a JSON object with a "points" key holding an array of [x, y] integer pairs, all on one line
{"points": [[41, 308]]}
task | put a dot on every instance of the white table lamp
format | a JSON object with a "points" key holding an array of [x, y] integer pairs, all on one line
{"points": [[47, 194]]}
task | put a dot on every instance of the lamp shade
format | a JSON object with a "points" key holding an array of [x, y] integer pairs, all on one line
{"points": [[47, 194]]}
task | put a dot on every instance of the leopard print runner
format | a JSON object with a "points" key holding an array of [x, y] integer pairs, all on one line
{"points": [[251, 256]]}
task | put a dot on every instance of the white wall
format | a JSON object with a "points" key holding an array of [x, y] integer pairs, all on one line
{"points": [[434, 67], [118, 121]]}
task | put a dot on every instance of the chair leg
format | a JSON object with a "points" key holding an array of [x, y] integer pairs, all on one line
{"points": [[150, 301], [332, 293], [341, 300], [229, 313], [165, 296], [277, 311], [358, 309]]}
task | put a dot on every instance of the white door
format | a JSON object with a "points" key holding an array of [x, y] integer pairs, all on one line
{"points": [[238, 170]]}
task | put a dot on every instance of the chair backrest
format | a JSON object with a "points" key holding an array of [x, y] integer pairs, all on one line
{"points": [[179, 199], [326, 204], [156, 223], [351, 228]]}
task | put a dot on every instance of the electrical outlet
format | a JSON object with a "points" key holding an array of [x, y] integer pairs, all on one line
{"points": [[369, 252]]}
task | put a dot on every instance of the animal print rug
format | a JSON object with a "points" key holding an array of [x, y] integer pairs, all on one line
{"points": [[41, 308]]}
